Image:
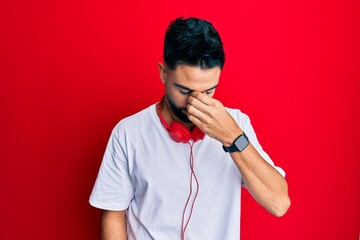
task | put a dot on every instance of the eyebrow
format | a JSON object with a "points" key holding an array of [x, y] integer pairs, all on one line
{"points": [[191, 90]]}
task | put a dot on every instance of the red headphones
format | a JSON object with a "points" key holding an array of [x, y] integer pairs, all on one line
{"points": [[177, 131]]}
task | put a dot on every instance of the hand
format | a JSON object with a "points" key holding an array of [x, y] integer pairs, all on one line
{"points": [[212, 118]]}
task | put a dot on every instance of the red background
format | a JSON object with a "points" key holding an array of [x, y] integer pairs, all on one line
{"points": [[70, 70]]}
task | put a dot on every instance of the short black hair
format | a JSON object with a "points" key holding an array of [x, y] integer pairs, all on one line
{"points": [[194, 42]]}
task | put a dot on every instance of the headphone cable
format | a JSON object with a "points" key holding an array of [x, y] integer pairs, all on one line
{"points": [[183, 228]]}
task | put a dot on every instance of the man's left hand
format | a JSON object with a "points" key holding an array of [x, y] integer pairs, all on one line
{"points": [[212, 118]]}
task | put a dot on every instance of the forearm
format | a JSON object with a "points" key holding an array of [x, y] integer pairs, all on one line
{"points": [[267, 186], [114, 225]]}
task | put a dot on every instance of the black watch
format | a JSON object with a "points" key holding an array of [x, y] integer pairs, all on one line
{"points": [[240, 143]]}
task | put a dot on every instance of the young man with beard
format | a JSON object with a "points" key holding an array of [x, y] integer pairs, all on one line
{"points": [[174, 170]]}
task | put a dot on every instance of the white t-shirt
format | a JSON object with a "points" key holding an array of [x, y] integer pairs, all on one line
{"points": [[147, 173]]}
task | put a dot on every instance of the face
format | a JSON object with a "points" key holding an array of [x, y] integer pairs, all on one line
{"points": [[184, 80]]}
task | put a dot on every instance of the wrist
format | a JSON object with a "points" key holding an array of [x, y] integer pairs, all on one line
{"points": [[232, 137]]}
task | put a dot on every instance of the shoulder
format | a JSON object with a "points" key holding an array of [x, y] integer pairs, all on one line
{"points": [[136, 121], [240, 117]]}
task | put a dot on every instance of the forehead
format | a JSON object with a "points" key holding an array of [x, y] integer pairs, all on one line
{"points": [[195, 77]]}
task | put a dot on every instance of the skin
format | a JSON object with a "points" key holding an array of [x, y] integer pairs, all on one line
{"points": [[113, 225], [191, 89], [183, 82]]}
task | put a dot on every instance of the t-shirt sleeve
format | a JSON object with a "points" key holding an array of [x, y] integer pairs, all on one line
{"points": [[245, 124], [113, 189]]}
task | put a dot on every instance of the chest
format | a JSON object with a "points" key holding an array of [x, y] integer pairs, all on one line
{"points": [[165, 167]]}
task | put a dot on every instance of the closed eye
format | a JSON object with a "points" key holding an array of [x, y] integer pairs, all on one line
{"points": [[185, 92]]}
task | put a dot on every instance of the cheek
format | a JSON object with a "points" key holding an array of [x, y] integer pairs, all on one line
{"points": [[179, 99]]}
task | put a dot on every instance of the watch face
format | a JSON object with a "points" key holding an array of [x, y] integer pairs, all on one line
{"points": [[242, 142]]}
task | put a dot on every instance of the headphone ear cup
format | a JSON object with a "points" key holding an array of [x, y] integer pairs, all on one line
{"points": [[197, 134], [179, 133]]}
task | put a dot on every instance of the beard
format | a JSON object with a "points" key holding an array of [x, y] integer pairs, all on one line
{"points": [[178, 111]]}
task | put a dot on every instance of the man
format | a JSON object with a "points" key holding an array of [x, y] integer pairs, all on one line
{"points": [[175, 169]]}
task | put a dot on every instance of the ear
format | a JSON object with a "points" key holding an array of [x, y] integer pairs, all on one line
{"points": [[162, 71]]}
